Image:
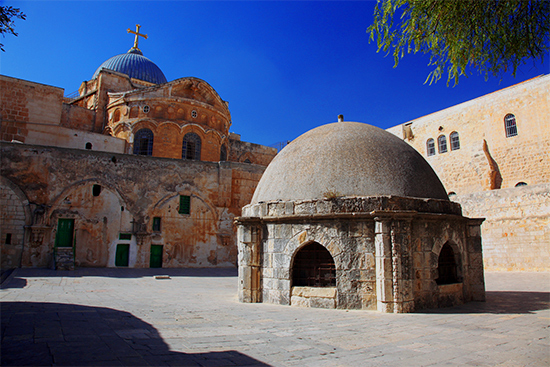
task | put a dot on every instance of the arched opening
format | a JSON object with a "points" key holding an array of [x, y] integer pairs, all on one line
{"points": [[455, 141], [521, 183], [313, 267], [447, 267], [143, 142], [510, 125], [88, 145], [191, 147], [442, 144], [430, 147]]}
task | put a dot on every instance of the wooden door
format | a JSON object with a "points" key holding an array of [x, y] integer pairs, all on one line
{"points": [[122, 254], [156, 256], [65, 233]]}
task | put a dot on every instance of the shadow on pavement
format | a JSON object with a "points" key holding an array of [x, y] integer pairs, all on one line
{"points": [[503, 302], [18, 276], [40, 334]]}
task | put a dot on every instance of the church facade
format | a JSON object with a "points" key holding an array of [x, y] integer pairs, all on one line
{"points": [[493, 156], [135, 171]]}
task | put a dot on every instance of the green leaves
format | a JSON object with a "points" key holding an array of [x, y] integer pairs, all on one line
{"points": [[7, 13], [490, 36]]}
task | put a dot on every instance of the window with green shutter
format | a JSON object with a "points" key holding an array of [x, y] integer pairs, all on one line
{"points": [[185, 204], [156, 224]]}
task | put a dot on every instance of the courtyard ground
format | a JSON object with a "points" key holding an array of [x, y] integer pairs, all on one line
{"points": [[114, 317]]}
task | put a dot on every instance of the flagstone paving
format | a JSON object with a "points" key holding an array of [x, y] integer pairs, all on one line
{"points": [[126, 317]]}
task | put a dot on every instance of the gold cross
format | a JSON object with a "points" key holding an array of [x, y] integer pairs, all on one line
{"points": [[137, 35]]}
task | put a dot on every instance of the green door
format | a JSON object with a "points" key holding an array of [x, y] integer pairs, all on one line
{"points": [[65, 233], [122, 254], [156, 256]]}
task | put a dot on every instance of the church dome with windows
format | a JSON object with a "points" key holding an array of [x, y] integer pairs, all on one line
{"points": [[348, 159], [135, 65]]}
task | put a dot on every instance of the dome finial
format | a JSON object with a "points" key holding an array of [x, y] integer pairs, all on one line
{"points": [[136, 38]]}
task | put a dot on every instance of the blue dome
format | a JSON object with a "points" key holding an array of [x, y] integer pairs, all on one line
{"points": [[135, 65]]}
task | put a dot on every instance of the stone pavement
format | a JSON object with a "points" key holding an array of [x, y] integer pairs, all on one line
{"points": [[115, 317]]}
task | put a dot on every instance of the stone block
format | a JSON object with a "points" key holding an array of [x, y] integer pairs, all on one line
{"points": [[299, 301]]}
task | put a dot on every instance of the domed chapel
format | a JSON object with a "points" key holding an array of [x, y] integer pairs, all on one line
{"points": [[132, 171], [350, 216]]}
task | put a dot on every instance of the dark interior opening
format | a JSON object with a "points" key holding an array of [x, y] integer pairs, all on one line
{"points": [[313, 267], [446, 266]]}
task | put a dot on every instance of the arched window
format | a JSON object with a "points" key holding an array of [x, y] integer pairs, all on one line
{"points": [[447, 268], [442, 144], [521, 184], [430, 147], [116, 115], [191, 147], [88, 145], [455, 141], [223, 153], [313, 267], [510, 125], [143, 142]]}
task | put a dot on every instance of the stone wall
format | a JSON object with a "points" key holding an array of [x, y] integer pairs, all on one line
{"points": [[240, 151], [503, 161], [516, 232], [385, 251], [14, 216], [109, 194]]}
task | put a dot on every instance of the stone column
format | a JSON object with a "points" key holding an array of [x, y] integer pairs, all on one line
{"points": [[474, 278], [249, 243], [403, 299], [383, 259]]}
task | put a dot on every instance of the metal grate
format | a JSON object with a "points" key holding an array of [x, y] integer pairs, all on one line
{"points": [[314, 267]]}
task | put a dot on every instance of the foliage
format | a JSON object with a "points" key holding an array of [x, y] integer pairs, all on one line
{"points": [[492, 36], [7, 13]]}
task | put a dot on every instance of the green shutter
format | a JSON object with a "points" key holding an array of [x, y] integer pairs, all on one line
{"points": [[122, 254], [65, 233], [156, 224], [155, 261], [185, 205]]}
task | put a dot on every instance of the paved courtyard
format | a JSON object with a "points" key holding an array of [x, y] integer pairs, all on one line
{"points": [[115, 317]]}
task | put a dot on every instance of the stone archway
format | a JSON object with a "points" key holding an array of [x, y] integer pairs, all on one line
{"points": [[313, 266]]}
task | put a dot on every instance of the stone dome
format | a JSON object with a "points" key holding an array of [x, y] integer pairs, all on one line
{"points": [[135, 65], [349, 159]]}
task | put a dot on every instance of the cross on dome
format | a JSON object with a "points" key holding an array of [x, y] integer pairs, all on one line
{"points": [[136, 39]]}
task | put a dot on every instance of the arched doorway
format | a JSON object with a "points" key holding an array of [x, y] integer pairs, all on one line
{"points": [[447, 267], [313, 266]]}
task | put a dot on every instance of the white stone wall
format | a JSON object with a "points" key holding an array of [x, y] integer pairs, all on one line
{"points": [[516, 232]]}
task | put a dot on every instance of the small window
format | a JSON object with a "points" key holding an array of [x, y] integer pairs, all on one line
{"points": [[8, 239], [442, 144], [143, 142], [430, 147], [146, 109], [223, 153], [247, 161], [88, 145], [185, 204], [191, 147], [156, 224], [510, 125], [455, 141], [521, 184], [96, 190], [125, 236], [194, 114]]}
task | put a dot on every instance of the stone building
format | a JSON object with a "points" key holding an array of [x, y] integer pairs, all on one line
{"points": [[135, 171], [349, 216], [493, 156]]}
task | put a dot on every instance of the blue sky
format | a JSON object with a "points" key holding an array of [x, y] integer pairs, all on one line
{"points": [[285, 67]]}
